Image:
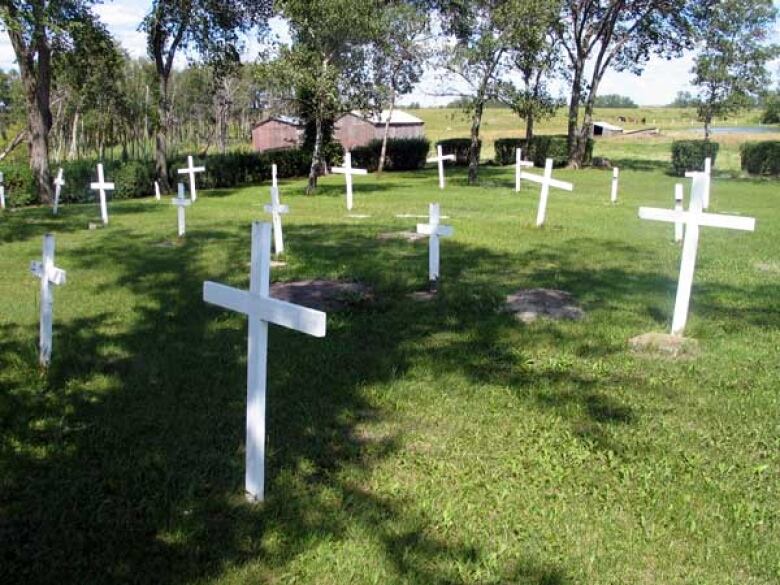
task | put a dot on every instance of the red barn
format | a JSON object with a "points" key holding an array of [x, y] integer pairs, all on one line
{"points": [[277, 132]]}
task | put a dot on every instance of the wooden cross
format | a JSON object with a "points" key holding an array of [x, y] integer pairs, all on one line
{"points": [[439, 159], [546, 181], [157, 190], [182, 203], [59, 182], [49, 274], [348, 171], [102, 187], [678, 207], [519, 164], [435, 230], [261, 310], [276, 209], [708, 174], [693, 219], [614, 193], [2, 192], [190, 170]]}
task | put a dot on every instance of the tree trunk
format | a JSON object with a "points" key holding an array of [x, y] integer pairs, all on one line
{"points": [[586, 132], [476, 121], [161, 138], [383, 152], [529, 129], [74, 136], [314, 171], [574, 112]]}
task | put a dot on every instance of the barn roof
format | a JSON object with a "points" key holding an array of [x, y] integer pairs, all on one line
{"points": [[399, 118], [291, 120], [608, 126]]}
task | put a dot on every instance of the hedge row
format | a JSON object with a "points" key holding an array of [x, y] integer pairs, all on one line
{"points": [[403, 154], [761, 158], [540, 149], [689, 155], [460, 148]]}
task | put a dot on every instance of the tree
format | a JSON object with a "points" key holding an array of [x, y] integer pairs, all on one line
{"points": [[613, 100], [599, 34], [684, 99], [730, 67], [213, 29], [771, 113], [398, 54], [38, 30], [325, 69]]}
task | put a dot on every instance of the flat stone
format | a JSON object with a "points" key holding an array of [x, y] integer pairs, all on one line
{"points": [[408, 236], [664, 344], [357, 216], [324, 295], [94, 226], [530, 304], [412, 215], [423, 296], [768, 267], [166, 245], [278, 264]]}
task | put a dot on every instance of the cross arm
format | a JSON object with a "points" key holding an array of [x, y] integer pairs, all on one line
{"points": [[440, 230], [552, 182], [343, 171], [106, 186], [277, 208], [56, 275], [181, 202], [734, 222]]}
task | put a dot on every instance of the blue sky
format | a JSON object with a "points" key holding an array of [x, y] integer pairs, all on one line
{"points": [[659, 83]]}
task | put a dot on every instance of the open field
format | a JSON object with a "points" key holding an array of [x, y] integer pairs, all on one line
{"points": [[439, 442], [674, 123]]}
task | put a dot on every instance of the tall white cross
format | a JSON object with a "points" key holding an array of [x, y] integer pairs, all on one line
{"points": [[439, 159], [348, 171], [519, 164], [102, 187], [614, 193], [190, 170], [707, 173], [435, 230], [2, 192], [678, 207], [49, 274], [693, 219], [273, 176], [546, 181], [59, 182], [261, 310], [276, 209], [182, 203], [157, 190]]}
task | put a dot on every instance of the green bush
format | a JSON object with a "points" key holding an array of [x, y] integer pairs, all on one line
{"points": [[403, 154], [542, 147], [761, 158], [19, 185], [132, 179], [460, 148], [689, 155]]}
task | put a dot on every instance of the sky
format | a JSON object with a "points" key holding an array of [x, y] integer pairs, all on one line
{"points": [[658, 84]]}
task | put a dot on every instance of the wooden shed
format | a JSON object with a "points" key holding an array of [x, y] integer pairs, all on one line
{"points": [[355, 129], [277, 132]]}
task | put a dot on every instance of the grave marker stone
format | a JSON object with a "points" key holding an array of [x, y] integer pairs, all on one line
{"points": [[59, 182], [49, 274], [276, 209], [348, 171], [182, 203], [439, 159], [434, 230], [101, 186], [546, 181], [191, 170]]}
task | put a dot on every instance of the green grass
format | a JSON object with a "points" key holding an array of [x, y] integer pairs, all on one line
{"points": [[436, 442]]}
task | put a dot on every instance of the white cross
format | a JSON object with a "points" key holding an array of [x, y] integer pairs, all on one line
{"points": [[439, 159], [190, 170], [261, 310], [59, 182], [678, 207], [435, 230], [182, 203], [546, 181], [273, 176], [707, 173], [49, 274], [276, 209], [348, 171], [519, 164], [102, 186], [157, 190], [2, 192], [693, 219], [614, 193]]}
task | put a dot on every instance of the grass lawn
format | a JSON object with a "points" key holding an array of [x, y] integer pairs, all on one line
{"points": [[438, 442]]}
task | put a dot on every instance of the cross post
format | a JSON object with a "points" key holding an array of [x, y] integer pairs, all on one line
{"points": [[708, 174], [190, 170], [439, 159], [157, 190], [49, 274], [182, 203], [348, 171], [101, 186], [678, 207], [519, 164], [435, 230], [546, 181], [614, 194], [261, 309], [276, 209], [59, 182], [2, 192]]}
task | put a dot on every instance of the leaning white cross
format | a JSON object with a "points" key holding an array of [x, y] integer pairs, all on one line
{"points": [[707, 173], [519, 164], [261, 310], [182, 203], [102, 187], [2, 192], [693, 219], [678, 207], [435, 230], [59, 182], [348, 171], [157, 190], [190, 170], [614, 193], [546, 181], [276, 209], [439, 159], [49, 274]]}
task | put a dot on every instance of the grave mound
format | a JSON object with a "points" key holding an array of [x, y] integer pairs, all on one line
{"points": [[324, 295], [407, 236], [664, 344], [527, 305]]}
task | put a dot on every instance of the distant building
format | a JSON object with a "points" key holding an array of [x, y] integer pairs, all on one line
{"points": [[606, 129], [351, 130]]}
